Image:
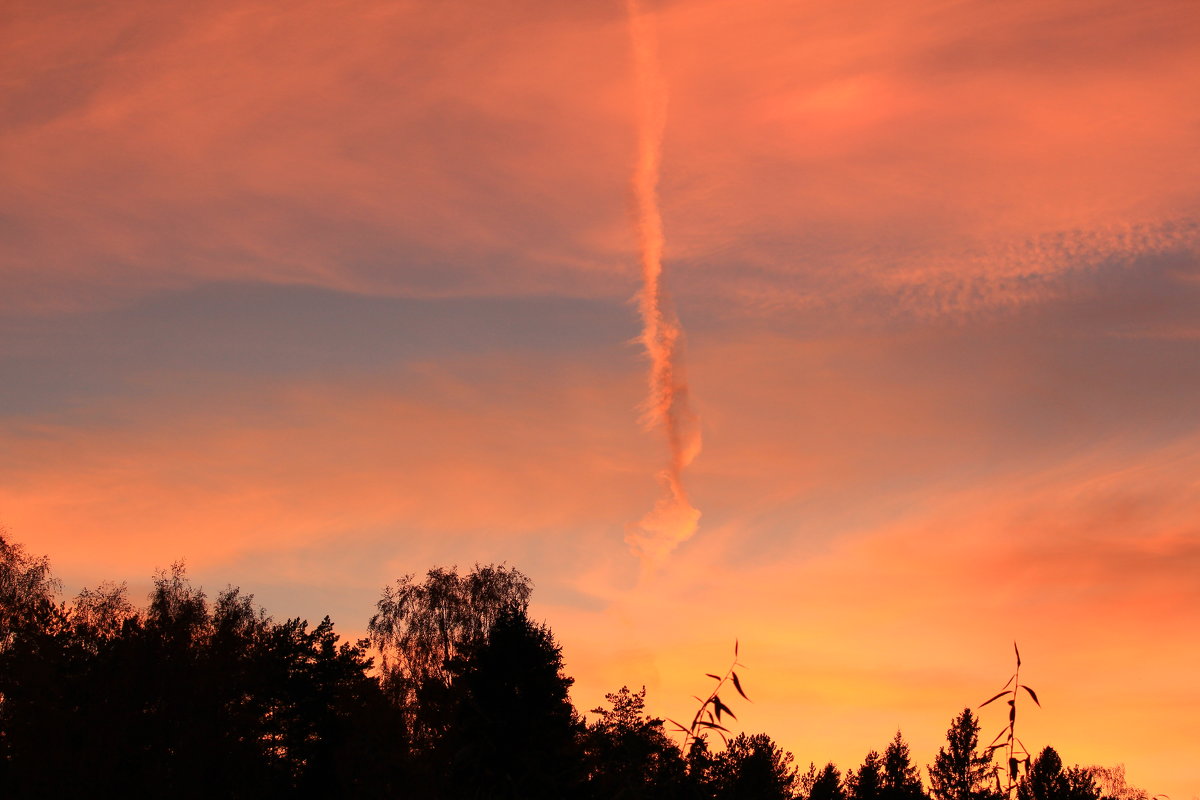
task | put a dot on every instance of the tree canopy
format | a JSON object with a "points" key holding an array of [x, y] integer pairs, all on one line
{"points": [[960, 771], [190, 696], [418, 628]]}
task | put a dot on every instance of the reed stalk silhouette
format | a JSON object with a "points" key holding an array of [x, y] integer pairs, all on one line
{"points": [[712, 708], [1007, 740]]}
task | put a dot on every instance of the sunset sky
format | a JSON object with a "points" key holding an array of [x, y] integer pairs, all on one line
{"points": [[314, 295]]}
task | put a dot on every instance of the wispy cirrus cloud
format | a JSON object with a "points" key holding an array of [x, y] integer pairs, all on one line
{"points": [[325, 295], [420, 151]]}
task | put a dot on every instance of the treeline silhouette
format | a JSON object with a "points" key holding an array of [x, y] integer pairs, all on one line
{"points": [[196, 697]]}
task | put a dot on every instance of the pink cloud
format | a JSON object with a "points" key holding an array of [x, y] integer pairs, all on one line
{"points": [[812, 155], [281, 465]]}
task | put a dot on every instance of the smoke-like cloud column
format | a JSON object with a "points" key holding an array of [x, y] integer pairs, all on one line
{"points": [[673, 519]]}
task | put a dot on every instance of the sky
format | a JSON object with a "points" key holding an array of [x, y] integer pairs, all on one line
{"points": [[316, 296]]}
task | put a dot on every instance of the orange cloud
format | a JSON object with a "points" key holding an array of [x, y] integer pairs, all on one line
{"points": [[1088, 563], [815, 155], [211, 474], [352, 150], [938, 264]]}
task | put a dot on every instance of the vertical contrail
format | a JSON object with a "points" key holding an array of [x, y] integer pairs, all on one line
{"points": [[673, 519]]}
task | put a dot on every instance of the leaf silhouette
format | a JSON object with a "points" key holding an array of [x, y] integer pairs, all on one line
{"points": [[713, 709], [993, 699], [1032, 694], [738, 685], [721, 707]]}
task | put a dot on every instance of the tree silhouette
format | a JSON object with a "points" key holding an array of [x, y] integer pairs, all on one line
{"points": [[34, 653], [901, 780], [99, 614], [754, 768], [1112, 785], [28, 592], [960, 770], [825, 784], [629, 755], [182, 698], [1046, 779], [867, 782], [514, 732], [419, 627], [189, 697]]}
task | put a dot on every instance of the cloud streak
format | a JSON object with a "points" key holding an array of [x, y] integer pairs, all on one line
{"points": [[673, 518]]}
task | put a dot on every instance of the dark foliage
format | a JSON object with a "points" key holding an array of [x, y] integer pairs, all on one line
{"points": [[960, 771], [824, 784], [901, 780], [867, 782], [183, 699], [515, 733], [753, 768], [191, 698], [420, 627], [629, 756], [1049, 780]]}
